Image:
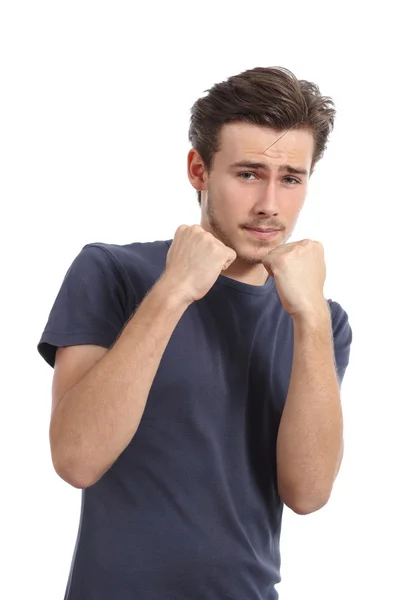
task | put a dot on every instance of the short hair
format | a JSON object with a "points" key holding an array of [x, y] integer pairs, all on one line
{"points": [[267, 96]]}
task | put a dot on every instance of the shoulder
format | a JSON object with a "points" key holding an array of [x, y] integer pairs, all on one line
{"points": [[127, 255], [134, 267], [342, 335], [339, 316]]}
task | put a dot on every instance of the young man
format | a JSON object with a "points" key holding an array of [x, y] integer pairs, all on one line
{"points": [[197, 380]]}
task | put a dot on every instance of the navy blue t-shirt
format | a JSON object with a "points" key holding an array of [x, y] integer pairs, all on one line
{"points": [[190, 510]]}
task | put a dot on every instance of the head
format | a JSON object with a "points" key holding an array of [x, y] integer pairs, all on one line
{"points": [[256, 139]]}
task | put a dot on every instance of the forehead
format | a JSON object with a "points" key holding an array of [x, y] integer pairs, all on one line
{"points": [[240, 141]]}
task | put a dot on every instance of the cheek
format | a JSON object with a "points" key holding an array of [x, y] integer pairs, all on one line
{"points": [[243, 195], [229, 187], [290, 209], [294, 202], [229, 195]]}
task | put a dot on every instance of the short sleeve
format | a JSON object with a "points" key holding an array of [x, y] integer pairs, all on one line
{"points": [[89, 307], [342, 338]]}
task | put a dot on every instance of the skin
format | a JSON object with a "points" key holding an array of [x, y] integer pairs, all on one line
{"points": [[98, 407], [310, 437], [237, 197]]}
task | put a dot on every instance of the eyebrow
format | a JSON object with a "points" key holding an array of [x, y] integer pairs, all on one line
{"points": [[248, 164]]}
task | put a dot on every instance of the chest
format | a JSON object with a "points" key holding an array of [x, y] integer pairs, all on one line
{"points": [[223, 366]]}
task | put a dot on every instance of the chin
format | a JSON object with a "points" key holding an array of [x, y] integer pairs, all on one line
{"points": [[253, 256]]}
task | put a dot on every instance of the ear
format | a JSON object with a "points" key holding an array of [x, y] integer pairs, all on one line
{"points": [[197, 173]]}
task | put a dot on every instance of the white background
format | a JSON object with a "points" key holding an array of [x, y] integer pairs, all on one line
{"points": [[95, 100]]}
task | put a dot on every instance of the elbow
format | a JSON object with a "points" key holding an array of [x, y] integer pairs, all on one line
{"points": [[72, 474], [306, 509], [69, 463], [304, 504], [71, 469]]}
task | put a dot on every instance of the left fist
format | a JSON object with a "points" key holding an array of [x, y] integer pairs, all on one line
{"points": [[299, 271]]}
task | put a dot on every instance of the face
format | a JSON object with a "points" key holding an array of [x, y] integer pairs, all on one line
{"points": [[264, 192]]}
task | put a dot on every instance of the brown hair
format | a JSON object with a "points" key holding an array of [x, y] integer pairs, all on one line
{"points": [[269, 96]]}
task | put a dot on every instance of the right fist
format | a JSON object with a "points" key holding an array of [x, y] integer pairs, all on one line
{"points": [[195, 260]]}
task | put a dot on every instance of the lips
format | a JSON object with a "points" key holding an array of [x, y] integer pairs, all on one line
{"points": [[262, 230]]}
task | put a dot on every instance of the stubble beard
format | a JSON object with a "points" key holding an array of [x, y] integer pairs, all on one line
{"points": [[256, 258]]}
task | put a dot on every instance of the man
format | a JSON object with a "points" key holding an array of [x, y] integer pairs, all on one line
{"points": [[196, 383]]}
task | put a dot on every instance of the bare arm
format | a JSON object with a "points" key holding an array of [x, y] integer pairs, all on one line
{"points": [[97, 418], [310, 443]]}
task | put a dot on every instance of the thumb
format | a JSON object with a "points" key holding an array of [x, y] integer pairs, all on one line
{"points": [[268, 267]]}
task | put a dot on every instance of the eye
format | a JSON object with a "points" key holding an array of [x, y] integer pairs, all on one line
{"points": [[246, 173], [293, 180]]}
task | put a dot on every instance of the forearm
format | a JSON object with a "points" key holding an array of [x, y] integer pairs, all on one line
{"points": [[97, 418], [310, 435]]}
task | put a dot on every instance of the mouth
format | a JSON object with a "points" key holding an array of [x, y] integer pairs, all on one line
{"points": [[263, 234], [262, 229]]}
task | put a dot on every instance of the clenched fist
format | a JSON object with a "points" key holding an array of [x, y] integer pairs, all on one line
{"points": [[299, 271], [195, 260]]}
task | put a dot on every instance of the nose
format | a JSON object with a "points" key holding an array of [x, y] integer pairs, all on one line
{"points": [[267, 201]]}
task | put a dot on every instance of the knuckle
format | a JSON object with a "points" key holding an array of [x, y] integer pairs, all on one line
{"points": [[181, 229]]}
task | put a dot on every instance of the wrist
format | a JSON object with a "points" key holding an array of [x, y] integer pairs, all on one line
{"points": [[317, 315], [173, 292]]}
